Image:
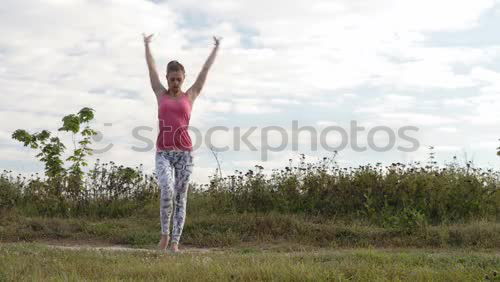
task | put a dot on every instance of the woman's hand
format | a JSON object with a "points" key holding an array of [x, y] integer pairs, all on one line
{"points": [[217, 41], [147, 39]]}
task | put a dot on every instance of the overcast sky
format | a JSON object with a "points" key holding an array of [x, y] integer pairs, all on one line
{"points": [[433, 65]]}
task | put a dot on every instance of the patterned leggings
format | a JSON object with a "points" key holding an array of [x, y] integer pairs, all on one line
{"points": [[166, 163]]}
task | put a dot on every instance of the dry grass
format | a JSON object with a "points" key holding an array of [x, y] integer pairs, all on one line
{"points": [[31, 261]]}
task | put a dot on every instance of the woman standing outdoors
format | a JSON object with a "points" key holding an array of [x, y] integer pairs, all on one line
{"points": [[174, 159]]}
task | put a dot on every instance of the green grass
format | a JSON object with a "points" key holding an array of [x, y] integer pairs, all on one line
{"points": [[228, 230], [32, 261]]}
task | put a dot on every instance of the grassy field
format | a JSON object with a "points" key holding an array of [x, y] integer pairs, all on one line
{"points": [[210, 230], [305, 222], [37, 262], [247, 247]]}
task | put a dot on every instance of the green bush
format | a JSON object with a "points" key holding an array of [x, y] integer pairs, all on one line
{"points": [[402, 196], [10, 193]]}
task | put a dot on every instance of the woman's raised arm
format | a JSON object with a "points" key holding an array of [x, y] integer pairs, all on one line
{"points": [[153, 74], [195, 90]]}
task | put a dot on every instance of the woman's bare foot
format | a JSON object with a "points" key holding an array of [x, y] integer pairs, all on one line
{"points": [[175, 247], [163, 242]]}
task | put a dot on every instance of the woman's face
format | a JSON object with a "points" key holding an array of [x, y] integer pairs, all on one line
{"points": [[175, 80]]}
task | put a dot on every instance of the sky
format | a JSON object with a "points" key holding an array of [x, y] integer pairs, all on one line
{"points": [[431, 68]]}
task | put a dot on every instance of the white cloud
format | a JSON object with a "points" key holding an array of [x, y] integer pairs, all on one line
{"points": [[447, 148], [324, 123], [387, 104], [447, 129], [415, 119]]}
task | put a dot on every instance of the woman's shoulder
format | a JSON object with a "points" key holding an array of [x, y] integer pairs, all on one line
{"points": [[161, 94], [191, 95]]}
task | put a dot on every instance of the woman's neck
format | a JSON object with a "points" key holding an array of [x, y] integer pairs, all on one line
{"points": [[174, 94]]}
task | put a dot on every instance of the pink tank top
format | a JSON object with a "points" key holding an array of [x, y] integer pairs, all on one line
{"points": [[173, 120]]}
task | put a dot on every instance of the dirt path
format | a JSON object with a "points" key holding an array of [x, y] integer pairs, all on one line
{"points": [[106, 246], [262, 247], [127, 249]]}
